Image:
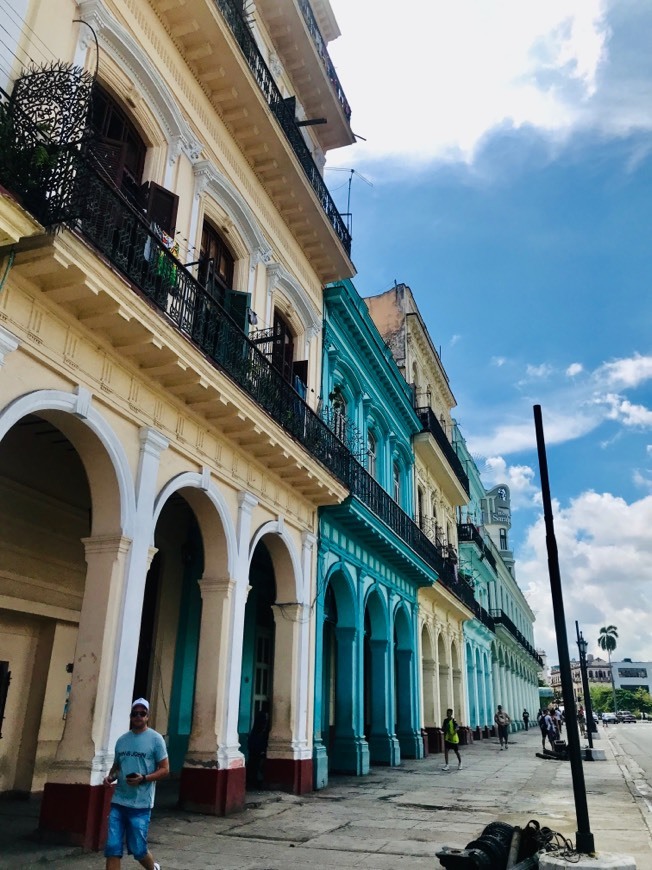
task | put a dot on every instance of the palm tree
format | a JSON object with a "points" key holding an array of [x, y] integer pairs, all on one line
{"points": [[607, 642]]}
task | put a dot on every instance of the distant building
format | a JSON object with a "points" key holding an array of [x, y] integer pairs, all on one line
{"points": [[597, 670], [632, 675]]}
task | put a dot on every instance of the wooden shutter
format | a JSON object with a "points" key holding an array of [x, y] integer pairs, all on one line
{"points": [[160, 206], [237, 305]]}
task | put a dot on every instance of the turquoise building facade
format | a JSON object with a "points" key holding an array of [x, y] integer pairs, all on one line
{"points": [[372, 557]]}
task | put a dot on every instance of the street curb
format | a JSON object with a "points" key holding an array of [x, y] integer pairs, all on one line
{"points": [[643, 804]]}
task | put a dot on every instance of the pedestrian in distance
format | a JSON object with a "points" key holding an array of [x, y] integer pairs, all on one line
{"points": [[502, 721], [551, 728], [581, 720], [541, 721], [559, 717], [451, 740], [140, 760], [526, 720]]}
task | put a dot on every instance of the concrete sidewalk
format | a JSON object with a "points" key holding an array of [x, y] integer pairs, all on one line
{"points": [[395, 817]]}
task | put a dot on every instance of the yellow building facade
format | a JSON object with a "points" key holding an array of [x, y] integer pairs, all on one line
{"points": [[161, 461], [440, 487]]}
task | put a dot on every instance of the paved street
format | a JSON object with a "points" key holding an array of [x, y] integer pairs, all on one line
{"points": [[392, 818]]}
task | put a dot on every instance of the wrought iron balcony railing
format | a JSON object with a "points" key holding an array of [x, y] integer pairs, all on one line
{"points": [[431, 424], [284, 113], [501, 618], [468, 532], [320, 45], [367, 489], [60, 184]]}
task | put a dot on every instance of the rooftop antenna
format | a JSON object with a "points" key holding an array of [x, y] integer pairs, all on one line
{"points": [[347, 214]]}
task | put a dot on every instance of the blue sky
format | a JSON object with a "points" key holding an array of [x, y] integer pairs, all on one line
{"points": [[510, 150]]}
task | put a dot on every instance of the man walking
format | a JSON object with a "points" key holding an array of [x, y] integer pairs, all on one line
{"points": [[451, 740], [502, 721], [141, 759], [526, 719]]}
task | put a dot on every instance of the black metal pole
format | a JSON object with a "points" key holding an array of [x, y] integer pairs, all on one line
{"points": [[588, 711], [584, 838]]}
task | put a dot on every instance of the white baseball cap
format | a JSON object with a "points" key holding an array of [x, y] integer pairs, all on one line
{"points": [[141, 702]]}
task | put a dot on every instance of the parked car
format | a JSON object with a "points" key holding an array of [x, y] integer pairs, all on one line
{"points": [[625, 716], [609, 719]]}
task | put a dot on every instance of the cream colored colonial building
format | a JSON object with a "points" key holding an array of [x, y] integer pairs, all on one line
{"points": [[441, 486], [161, 462]]}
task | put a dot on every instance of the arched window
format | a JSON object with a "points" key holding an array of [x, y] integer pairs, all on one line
{"points": [[372, 455], [396, 481], [120, 150], [215, 270], [420, 517], [117, 143]]}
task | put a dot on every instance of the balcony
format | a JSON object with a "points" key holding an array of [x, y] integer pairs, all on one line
{"points": [[299, 42], [440, 454], [368, 491], [60, 186], [468, 532], [217, 44], [501, 618]]}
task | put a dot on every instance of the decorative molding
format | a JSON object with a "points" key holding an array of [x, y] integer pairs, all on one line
{"points": [[209, 178], [8, 344], [278, 276], [152, 87]]}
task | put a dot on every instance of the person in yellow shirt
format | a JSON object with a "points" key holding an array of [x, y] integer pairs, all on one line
{"points": [[451, 740]]}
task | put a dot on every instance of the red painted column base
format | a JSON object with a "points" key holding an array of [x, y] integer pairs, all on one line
{"points": [[289, 774], [75, 813], [211, 791], [435, 740]]}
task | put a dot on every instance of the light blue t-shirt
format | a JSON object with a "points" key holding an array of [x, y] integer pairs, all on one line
{"points": [[138, 753]]}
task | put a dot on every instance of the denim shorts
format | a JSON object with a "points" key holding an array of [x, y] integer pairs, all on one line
{"points": [[130, 823]]}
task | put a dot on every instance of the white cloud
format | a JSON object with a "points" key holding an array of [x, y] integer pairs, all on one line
{"points": [[604, 555], [574, 369], [625, 411], [429, 83], [631, 372], [498, 361], [540, 371], [570, 409], [519, 478]]}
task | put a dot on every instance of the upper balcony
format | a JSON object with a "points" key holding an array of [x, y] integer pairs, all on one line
{"points": [[468, 532], [216, 42], [501, 618], [302, 49], [61, 186], [441, 454], [368, 491]]}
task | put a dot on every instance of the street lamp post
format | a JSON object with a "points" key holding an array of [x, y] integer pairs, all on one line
{"points": [[582, 646], [584, 841]]}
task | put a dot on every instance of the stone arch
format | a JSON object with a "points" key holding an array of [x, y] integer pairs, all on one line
{"points": [[429, 676], [458, 678], [206, 500], [339, 578], [108, 471], [291, 585]]}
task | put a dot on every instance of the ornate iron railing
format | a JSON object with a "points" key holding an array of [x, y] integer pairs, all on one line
{"points": [[468, 532], [322, 50], [501, 618], [283, 111], [61, 185], [367, 489], [431, 424]]}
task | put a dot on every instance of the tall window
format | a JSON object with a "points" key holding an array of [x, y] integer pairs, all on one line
{"points": [[118, 145], [396, 480], [215, 264], [503, 539], [372, 455], [420, 517]]}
